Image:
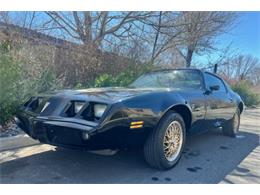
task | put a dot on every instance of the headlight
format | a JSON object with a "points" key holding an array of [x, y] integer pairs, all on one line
{"points": [[99, 110]]}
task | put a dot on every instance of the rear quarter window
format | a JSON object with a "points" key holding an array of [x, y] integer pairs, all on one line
{"points": [[211, 80]]}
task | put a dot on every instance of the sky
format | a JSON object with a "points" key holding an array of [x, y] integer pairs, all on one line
{"points": [[243, 38], [246, 35]]}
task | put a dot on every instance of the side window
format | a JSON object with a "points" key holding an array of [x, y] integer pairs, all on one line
{"points": [[212, 80]]}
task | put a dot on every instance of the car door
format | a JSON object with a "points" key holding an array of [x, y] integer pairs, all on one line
{"points": [[196, 100], [219, 104]]}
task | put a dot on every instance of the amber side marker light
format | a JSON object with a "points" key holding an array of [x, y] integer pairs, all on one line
{"points": [[136, 124]]}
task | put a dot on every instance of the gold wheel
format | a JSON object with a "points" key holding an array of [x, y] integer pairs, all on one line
{"points": [[173, 139]]}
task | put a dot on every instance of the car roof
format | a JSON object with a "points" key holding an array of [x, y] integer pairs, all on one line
{"points": [[171, 69], [212, 73], [195, 69]]}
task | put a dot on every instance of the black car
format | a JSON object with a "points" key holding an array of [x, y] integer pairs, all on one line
{"points": [[155, 112]]}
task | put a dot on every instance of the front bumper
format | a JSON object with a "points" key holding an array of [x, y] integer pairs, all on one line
{"points": [[57, 131], [65, 133]]}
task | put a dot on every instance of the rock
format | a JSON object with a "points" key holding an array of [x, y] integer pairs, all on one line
{"points": [[11, 129]]}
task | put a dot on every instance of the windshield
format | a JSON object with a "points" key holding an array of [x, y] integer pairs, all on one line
{"points": [[181, 79]]}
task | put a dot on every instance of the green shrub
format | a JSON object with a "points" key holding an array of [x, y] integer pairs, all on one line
{"points": [[105, 80], [10, 74], [121, 80], [47, 82], [243, 88], [16, 84]]}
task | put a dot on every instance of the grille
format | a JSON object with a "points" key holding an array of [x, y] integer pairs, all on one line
{"points": [[61, 135]]}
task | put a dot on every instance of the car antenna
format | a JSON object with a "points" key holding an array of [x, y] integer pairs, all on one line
{"points": [[215, 68]]}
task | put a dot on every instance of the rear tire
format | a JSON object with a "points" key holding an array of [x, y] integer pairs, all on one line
{"points": [[164, 145], [232, 126]]}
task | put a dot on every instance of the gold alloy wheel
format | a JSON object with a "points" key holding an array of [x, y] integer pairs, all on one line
{"points": [[173, 139]]}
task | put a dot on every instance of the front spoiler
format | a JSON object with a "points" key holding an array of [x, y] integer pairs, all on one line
{"points": [[69, 125], [79, 124]]}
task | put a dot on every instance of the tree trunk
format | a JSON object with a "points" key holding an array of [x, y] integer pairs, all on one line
{"points": [[156, 38], [189, 57]]}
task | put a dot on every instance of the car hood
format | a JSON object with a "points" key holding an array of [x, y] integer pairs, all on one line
{"points": [[107, 94]]}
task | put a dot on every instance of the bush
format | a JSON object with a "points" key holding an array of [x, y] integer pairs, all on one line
{"points": [[243, 88], [121, 80], [10, 75], [47, 82], [16, 84], [105, 80]]}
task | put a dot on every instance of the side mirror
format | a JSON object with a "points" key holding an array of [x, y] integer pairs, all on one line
{"points": [[214, 87]]}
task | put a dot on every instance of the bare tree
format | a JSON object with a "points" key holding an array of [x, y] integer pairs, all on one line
{"points": [[160, 34], [92, 28], [162, 38], [200, 30], [120, 31], [240, 67], [255, 76], [4, 17], [27, 19], [158, 30]]}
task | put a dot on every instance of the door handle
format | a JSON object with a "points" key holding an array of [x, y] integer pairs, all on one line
{"points": [[230, 99]]}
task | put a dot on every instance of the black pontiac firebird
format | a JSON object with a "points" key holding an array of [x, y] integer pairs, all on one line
{"points": [[155, 112]]}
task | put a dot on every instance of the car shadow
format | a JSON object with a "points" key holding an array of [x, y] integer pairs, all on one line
{"points": [[207, 158]]}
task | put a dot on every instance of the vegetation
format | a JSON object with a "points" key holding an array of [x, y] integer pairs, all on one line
{"points": [[16, 85], [244, 89], [122, 79], [9, 86]]}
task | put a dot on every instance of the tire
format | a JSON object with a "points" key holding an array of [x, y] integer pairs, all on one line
{"points": [[155, 145], [232, 126]]}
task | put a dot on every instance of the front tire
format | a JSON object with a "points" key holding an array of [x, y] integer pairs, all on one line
{"points": [[163, 147], [232, 126]]}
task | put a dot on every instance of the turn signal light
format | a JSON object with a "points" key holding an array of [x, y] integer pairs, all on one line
{"points": [[136, 124]]}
